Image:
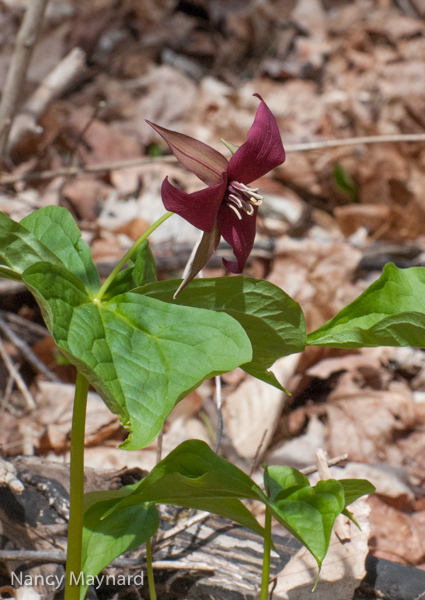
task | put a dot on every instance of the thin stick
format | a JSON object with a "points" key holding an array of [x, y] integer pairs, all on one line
{"points": [[16, 75], [183, 526], [98, 108], [219, 413], [159, 445], [66, 72], [27, 352], [257, 454], [134, 162], [99, 168], [331, 462], [17, 377], [60, 557]]}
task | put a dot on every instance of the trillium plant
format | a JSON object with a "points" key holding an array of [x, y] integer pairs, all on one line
{"points": [[144, 344]]}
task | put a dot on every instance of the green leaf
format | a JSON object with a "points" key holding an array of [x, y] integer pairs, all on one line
{"points": [[122, 283], [144, 265], [142, 355], [355, 488], [193, 476], [279, 478], [345, 182], [391, 312], [309, 514], [107, 537], [273, 321], [19, 249], [56, 229], [6, 273]]}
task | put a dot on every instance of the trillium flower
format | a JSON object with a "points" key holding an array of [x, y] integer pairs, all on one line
{"points": [[228, 206]]}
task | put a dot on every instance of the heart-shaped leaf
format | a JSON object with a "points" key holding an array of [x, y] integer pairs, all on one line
{"points": [[273, 321], [391, 312], [142, 355]]}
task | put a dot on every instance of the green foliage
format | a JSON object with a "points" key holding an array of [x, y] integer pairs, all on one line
{"points": [[142, 355], [273, 321], [391, 312], [345, 183], [55, 228], [106, 536], [193, 476]]}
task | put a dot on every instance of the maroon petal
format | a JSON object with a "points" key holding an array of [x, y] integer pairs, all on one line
{"points": [[239, 233], [200, 256], [204, 161], [199, 208], [263, 150]]}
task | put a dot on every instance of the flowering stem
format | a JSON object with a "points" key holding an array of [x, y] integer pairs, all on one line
{"points": [[128, 255], [266, 556], [76, 494], [151, 582]]}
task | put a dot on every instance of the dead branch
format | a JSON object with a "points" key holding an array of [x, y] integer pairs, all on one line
{"points": [[27, 352], [60, 557], [330, 462], [16, 75], [17, 377], [136, 162], [54, 85]]}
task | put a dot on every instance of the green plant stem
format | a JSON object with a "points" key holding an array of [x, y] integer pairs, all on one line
{"points": [[151, 581], [76, 493], [128, 255], [266, 556]]}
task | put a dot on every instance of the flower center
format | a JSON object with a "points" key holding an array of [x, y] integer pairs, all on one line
{"points": [[241, 197]]}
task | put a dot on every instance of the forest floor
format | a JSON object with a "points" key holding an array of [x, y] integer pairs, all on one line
{"points": [[329, 70]]}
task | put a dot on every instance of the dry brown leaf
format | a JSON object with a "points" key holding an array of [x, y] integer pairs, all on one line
{"points": [[254, 408], [363, 422], [54, 412]]}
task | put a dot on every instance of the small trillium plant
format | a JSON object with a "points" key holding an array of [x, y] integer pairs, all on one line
{"points": [[228, 206], [143, 350]]}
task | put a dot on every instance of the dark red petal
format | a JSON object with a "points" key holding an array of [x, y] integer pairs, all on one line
{"points": [[199, 208], [263, 150], [200, 256], [204, 161], [239, 233]]}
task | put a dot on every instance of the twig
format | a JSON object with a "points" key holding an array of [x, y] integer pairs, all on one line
{"points": [[159, 445], [17, 377], [60, 557], [331, 462], [16, 75], [257, 454], [98, 108], [135, 162], [27, 352], [219, 413], [52, 86], [368, 139], [72, 171], [183, 526]]}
